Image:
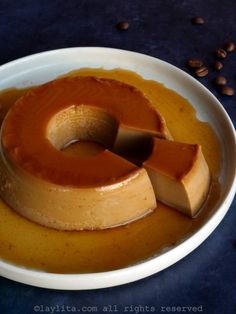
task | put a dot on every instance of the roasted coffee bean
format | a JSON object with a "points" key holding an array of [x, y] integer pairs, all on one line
{"points": [[195, 63], [217, 65], [226, 90], [230, 46], [221, 53], [220, 80], [202, 71], [197, 20], [123, 25]]}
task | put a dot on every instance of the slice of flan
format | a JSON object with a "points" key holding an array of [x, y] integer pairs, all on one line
{"points": [[179, 174]]}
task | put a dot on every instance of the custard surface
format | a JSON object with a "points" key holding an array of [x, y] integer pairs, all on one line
{"points": [[81, 252], [76, 98]]}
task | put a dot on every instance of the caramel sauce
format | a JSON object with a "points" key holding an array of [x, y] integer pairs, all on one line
{"points": [[25, 243]]}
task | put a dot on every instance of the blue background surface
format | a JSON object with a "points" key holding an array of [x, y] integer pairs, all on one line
{"points": [[206, 277]]}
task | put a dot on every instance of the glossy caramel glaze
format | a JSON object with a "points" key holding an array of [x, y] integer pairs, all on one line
{"points": [[80, 252], [29, 118]]}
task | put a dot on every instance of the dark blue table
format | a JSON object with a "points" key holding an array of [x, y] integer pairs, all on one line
{"points": [[207, 277]]}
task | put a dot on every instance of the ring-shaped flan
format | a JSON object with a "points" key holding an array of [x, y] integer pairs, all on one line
{"points": [[70, 192]]}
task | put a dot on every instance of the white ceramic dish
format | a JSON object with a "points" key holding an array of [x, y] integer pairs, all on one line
{"points": [[45, 66]]}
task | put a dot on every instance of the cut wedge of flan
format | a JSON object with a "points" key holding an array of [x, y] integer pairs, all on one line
{"points": [[179, 174]]}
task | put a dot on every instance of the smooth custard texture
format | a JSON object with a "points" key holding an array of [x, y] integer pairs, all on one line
{"points": [[179, 174], [78, 252]]}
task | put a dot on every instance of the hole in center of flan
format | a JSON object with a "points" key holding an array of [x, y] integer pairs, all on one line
{"points": [[82, 148], [82, 130]]}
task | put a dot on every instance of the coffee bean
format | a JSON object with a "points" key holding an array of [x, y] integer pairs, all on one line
{"points": [[195, 63], [226, 90], [230, 46], [197, 20], [123, 25], [217, 65], [202, 71], [220, 80], [221, 53]]}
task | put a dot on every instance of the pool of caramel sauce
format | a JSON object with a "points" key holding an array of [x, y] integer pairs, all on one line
{"points": [[30, 245]]}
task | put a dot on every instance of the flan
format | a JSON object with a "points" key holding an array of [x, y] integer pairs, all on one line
{"points": [[65, 191], [179, 174]]}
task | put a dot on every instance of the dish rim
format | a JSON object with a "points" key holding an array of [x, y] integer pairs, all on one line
{"points": [[143, 268]]}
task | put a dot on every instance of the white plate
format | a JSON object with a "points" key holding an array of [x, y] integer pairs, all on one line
{"points": [[45, 66]]}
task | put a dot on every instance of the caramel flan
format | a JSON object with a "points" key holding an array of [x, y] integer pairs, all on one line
{"points": [[69, 192]]}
